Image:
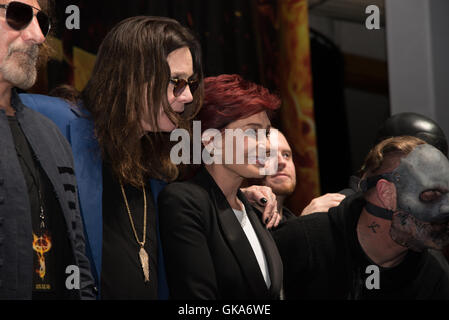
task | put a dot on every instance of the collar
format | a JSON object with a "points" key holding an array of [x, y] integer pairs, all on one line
{"points": [[379, 211], [79, 110], [16, 103], [287, 214]]}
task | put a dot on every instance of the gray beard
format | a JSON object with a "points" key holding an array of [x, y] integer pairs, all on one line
{"points": [[19, 69]]}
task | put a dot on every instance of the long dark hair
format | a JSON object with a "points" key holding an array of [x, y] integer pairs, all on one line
{"points": [[132, 68]]}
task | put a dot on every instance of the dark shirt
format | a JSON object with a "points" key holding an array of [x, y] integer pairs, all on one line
{"points": [[409, 279], [286, 214], [122, 275], [52, 251], [323, 260]]}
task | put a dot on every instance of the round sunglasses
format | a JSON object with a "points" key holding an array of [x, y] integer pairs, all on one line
{"points": [[19, 16], [181, 84]]}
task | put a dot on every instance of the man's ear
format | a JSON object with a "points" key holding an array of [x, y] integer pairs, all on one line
{"points": [[386, 193]]}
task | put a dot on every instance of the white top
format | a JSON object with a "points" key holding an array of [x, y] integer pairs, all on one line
{"points": [[242, 217]]}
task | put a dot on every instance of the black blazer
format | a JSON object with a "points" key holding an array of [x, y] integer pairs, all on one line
{"points": [[207, 254]]}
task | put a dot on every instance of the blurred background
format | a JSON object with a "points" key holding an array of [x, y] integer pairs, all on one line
{"points": [[338, 80]]}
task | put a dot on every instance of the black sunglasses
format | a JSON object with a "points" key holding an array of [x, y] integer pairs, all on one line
{"points": [[181, 84], [19, 16]]}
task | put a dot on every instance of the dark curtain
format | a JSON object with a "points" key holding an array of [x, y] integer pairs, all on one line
{"points": [[334, 156], [225, 29]]}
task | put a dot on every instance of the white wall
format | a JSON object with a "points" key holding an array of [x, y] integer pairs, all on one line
{"points": [[418, 57]]}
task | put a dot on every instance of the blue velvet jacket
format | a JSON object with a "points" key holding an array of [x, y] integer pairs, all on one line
{"points": [[78, 128]]}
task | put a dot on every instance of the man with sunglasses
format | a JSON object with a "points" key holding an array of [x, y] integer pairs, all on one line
{"points": [[41, 232], [146, 82]]}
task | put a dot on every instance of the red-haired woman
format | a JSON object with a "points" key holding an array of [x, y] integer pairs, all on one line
{"points": [[214, 245]]}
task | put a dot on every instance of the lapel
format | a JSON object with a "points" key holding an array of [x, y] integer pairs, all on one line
{"points": [[88, 168], [235, 236], [269, 247], [156, 188], [46, 158], [162, 286]]}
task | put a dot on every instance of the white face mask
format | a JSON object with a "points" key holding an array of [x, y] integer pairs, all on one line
{"points": [[422, 184], [422, 188]]}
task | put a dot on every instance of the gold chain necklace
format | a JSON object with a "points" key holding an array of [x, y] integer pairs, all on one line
{"points": [[143, 255]]}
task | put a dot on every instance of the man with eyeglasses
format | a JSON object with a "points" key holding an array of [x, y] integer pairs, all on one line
{"points": [[42, 247]]}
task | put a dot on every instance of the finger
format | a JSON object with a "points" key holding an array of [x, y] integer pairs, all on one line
{"points": [[269, 207], [273, 216], [278, 220], [268, 212], [261, 197], [332, 196], [326, 207], [274, 221], [260, 202], [337, 196], [268, 193], [336, 202], [254, 197]]}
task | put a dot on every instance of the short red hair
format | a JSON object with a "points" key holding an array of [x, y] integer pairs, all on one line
{"points": [[228, 98]]}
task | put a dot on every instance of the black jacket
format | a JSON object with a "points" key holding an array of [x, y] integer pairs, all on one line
{"points": [[206, 252], [55, 157], [323, 260]]}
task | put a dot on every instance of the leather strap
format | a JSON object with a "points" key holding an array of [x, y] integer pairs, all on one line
{"points": [[378, 211]]}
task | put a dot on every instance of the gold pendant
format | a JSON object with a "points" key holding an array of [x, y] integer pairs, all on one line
{"points": [[143, 255]]}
